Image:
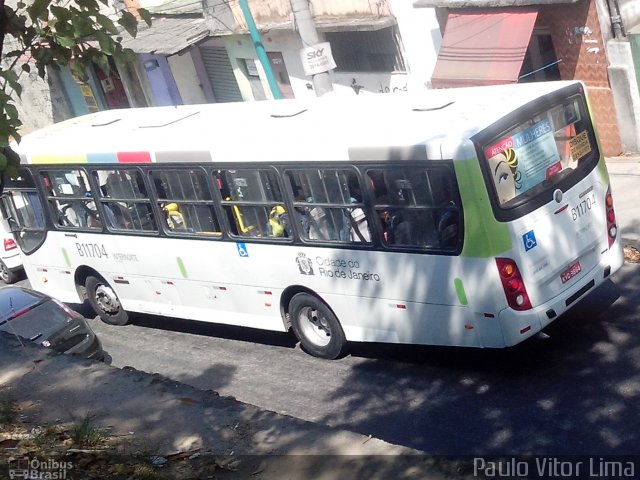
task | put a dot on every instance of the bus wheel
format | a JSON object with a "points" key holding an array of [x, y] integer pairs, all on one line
{"points": [[316, 327], [6, 275], [105, 302]]}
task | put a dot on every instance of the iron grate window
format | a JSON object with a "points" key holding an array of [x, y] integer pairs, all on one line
{"points": [[371, 51]]}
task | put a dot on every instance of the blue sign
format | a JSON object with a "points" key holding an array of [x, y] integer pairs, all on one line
{"points": [[242, 250], [529, 240]]}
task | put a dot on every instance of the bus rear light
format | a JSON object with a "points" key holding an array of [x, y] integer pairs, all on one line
{"points": [[612, 228], [611, 216], [9, 244], [513, 285]]}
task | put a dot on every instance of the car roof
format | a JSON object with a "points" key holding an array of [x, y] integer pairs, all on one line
{"points": [[14, 299]]}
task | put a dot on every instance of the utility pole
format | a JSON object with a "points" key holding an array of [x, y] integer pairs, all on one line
{"points": [[260, 51], [309, 35]]}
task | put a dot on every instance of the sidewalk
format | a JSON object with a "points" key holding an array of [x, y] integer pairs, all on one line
{"points": [[625, 186], [191, 433]]}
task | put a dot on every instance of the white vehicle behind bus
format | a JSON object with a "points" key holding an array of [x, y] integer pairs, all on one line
{"points": [[467, 217], [10, 260]]}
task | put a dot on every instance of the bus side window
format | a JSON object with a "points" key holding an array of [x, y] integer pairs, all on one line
{"points": [[417, 206], [253, 202], [70, 199], [186, 201], [124, 200], [447, 214], [329, 205]]}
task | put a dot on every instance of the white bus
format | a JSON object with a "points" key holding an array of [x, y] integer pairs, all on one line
{"points": [[467, 217]]}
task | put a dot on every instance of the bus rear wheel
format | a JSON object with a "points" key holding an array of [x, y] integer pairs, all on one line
{"points": [[6, 275], [104, 300], [316, 327]]}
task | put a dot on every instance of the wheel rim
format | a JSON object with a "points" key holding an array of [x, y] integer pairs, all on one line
{"points": [[4, 272], [314, 326], [107, 300]]}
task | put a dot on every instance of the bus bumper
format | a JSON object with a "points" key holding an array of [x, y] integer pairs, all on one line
{"points": [[518, 326]]}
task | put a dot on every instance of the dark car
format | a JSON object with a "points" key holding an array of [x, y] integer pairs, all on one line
{"points": [[47, 321]]}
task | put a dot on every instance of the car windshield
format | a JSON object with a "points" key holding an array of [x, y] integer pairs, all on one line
{"points": [[41, 320]]}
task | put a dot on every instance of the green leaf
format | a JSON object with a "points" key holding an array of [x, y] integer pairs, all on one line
{"points": [[38, 9], [12, 111], [129, 23], [65, 41], [12, 170], [25, 67], [78, 70], [107, 45], [11, 79], [102, 61], [107, 24], [82, 26], [145, 15], [42, 70], [61, 14], [3, 162], [13, 53]]}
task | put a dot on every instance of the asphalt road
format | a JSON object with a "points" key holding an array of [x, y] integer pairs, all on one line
{"points": [[576, 392]]}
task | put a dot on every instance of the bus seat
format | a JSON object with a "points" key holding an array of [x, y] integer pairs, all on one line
{"points": [[175, 220], [244, 229]]}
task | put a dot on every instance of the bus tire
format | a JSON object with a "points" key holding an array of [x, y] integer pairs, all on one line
{"points": [[104, 300], [316, 327], [6, 275]]}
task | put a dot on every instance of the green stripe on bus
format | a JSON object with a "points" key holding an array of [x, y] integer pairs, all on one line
{"points": [[182, 268], [484, 236], [460, 291], [66, 257]]}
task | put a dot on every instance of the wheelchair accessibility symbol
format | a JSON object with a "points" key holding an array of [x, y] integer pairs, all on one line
{"points": [[242, 250], [529, 240]]}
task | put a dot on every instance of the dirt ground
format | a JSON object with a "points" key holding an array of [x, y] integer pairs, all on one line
{"points": [[67, 418]]}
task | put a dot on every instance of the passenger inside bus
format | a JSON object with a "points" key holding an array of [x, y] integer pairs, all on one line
{"points": [[278, 224]]}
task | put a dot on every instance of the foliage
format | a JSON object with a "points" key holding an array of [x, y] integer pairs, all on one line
{"points": [[86, 433], [45, 34]]}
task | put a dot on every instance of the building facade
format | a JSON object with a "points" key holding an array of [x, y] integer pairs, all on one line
{"points": [[203, 52], [543, 40]]}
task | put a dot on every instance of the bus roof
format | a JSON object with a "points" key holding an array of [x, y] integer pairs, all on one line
{"points": [[320, 129]]}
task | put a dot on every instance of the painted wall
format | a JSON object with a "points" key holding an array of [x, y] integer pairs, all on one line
{"points": [[161, 82], [578, 40], [622, 72], [421, 39], [42, 102], [630, 13], [280, 10], [289, 44], [186, 78]]}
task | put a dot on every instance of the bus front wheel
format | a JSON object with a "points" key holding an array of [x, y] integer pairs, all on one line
{"points": [[105, 301], [316, 327]]}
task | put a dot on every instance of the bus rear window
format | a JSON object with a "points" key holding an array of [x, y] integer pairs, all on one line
{"points": [[551, 143]]}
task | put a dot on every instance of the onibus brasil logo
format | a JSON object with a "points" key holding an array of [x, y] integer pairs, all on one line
{"points": [[34, 468]]}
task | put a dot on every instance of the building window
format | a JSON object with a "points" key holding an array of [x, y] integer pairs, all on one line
{"points": [[540, 63], [372, 51]]}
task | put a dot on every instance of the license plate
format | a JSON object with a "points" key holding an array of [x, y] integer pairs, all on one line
{"points": [[573, 270]]}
